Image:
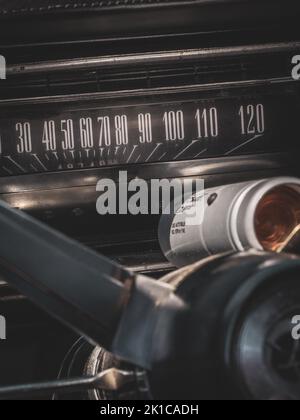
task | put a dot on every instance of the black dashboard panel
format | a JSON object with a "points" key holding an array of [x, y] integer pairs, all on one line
{"points": [[45, 21]]}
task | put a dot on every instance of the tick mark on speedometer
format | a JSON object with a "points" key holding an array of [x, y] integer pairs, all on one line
{"points": [[15, 163], [152, 153], [243, 144], [131, 154], [56, 156], [186, 149], [33, 167], [7, 170], [40, 162], [201, 153], [162, 156]]}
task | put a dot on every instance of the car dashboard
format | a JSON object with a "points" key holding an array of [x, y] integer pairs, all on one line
{"points": [[152, 89]]}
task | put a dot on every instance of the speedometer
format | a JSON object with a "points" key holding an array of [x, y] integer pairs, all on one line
{"points": [[163, 127]]}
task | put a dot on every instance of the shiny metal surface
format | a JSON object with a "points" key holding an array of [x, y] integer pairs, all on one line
{"points": [[75, 98], [90, 177], [150, 58], [111, 380]]}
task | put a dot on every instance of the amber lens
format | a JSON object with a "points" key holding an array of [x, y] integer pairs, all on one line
{"points": [[277, 215]]}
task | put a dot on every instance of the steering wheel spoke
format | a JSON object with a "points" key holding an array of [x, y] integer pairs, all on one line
{"points": [[85, 291]]}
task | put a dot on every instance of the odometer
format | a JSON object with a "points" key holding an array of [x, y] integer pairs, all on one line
{"points": [[50, 137]]}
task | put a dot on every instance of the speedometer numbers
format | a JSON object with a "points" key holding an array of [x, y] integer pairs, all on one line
{"points": [[90, 138]]}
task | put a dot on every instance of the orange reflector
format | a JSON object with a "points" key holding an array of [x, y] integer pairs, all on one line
{"points": [[276, 217]]}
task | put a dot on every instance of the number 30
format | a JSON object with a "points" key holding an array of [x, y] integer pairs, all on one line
{"points": [[24, 135]]}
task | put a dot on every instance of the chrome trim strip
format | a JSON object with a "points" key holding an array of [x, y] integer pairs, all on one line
{"points": [[88, 178], [143, 92], [149, 58], [148, 268]]}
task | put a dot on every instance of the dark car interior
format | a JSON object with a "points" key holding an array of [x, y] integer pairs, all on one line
{"points": [[142, 306]]}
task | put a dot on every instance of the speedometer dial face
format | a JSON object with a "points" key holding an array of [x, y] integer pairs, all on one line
{"points": [[48, 139]]}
